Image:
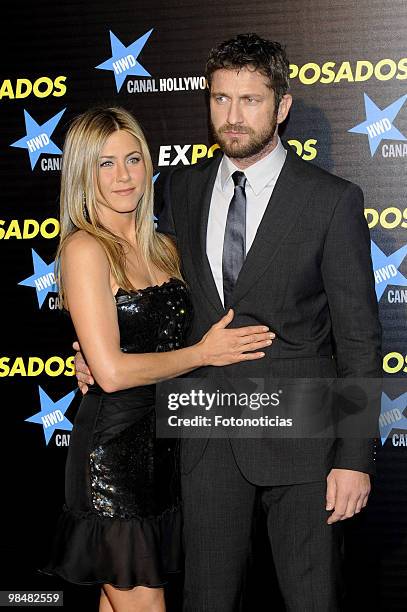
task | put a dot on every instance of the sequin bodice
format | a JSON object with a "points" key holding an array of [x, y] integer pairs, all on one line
{"points": [[154, 319]]}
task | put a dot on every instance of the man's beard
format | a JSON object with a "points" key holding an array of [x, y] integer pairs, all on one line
{"points": [[255, 145]]}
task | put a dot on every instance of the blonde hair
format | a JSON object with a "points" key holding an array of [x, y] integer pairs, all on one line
{"points": [[78, 206]]}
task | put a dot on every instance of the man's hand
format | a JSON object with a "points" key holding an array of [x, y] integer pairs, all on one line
{"points": [[82, 371], [347, 492]]}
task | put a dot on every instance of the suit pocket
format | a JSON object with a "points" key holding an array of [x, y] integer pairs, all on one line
{"points": [[299, 241]]}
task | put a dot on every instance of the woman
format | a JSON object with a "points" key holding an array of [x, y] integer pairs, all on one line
{"points": [[121, 283]]}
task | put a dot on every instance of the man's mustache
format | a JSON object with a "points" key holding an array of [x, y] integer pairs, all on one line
{"points": [[228, 127]]}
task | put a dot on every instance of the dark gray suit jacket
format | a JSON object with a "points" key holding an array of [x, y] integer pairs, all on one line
{"points": [[308, 276]]}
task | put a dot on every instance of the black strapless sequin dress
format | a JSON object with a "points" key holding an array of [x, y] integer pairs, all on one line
{"points": [[121, 522]]}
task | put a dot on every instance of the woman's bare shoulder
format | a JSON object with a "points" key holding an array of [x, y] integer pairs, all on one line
{"points": [[81, 243], [81, 238]]}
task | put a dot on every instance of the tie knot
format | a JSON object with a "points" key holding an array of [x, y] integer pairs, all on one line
{"points": [[239, 179]]}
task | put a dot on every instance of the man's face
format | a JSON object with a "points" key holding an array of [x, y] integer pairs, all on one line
{"points": [[244, 117]]}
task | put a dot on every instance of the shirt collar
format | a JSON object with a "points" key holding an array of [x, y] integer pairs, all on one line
{"points": [[260, 174]]}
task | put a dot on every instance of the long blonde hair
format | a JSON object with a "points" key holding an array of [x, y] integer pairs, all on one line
{"points": [[78, 207]]}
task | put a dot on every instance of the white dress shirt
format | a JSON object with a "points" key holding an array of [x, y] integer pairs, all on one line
{"points": [[261, 179]]}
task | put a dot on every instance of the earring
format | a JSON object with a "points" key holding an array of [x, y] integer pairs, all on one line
{"points": [[84, 209]]}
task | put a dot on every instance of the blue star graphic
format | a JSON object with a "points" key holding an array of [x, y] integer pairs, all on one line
{"points": [[38, 137], [43, 279], [52, 414], [379, 123], [386, 268], [391, 415], [124, 59]]}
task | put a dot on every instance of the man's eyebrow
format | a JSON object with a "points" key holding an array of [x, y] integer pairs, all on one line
{"points": [[243, 95]]}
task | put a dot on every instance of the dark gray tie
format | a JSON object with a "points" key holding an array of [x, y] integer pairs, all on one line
{"points": [[234, 244]]}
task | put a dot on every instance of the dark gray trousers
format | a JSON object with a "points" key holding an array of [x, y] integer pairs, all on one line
{"points": [[218, 517]]}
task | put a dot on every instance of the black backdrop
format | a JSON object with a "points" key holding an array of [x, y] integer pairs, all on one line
{"points": [[349, 70]]}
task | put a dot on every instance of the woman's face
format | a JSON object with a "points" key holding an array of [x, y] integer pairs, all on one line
{"points": [[121, 173]]}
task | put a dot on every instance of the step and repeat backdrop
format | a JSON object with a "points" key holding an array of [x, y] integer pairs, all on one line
{"points": [[349, 84]]}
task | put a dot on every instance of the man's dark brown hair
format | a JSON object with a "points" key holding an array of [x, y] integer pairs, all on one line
{"points": [[252, 51]]}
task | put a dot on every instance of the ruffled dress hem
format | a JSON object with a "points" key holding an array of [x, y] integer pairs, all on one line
{"points": [[91, 549]]}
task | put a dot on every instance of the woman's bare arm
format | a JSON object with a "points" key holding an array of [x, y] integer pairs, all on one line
{"points": [[86, 275]]}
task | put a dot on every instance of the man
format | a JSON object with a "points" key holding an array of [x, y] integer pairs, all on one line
{"points": [[265, 233]]}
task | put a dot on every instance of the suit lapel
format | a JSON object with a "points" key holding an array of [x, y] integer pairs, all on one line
{"points": [[200, 187], [288, 198]]}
